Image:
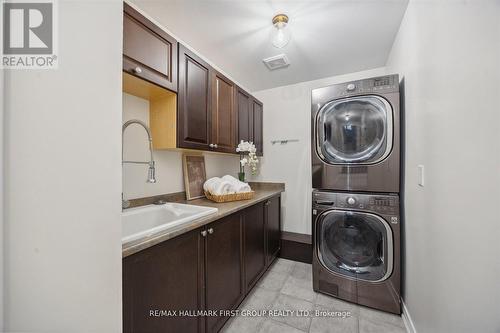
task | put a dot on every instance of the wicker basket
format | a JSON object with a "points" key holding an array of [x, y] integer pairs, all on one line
{"points": [[230, 197]]}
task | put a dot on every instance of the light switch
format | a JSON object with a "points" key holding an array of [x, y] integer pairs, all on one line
{"points": [[421, 175]]}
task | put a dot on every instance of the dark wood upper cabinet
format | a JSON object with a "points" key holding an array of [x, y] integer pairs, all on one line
{"points": [[250, 119], [213, 114], [244, 114], [255, 243], [194, 109], [167, 276], [223, 114], [148, 51], [224, 266], [273, 227], [258, 122]]}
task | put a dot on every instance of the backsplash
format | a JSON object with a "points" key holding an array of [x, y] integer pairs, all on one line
{"points": [[168, 163]]}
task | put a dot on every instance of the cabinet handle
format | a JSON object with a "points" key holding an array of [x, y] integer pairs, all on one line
{"points": [[204, 233], [211, 231], [137, 70]]}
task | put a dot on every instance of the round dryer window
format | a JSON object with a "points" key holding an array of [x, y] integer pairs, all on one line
{"points": [[354, 130], [355, 244]]}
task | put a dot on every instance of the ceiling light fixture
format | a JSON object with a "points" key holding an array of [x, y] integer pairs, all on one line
{"points": [[281, 35]]}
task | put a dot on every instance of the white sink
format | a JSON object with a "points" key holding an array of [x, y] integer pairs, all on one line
{"points": [[149, 220]]}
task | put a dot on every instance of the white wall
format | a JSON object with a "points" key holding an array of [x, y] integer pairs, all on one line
{"points": [[2, 211], [169, 172], [287, 115], [449, 54], [63, 180]]}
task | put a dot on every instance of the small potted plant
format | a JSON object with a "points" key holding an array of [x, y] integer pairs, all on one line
{"points": [[248, 157]]}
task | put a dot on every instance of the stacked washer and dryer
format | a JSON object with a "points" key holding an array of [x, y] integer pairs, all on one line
{"points": [[356, 182]]}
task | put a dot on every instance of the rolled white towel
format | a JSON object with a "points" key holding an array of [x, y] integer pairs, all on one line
{"points": [[210, 182], [230, 179], [238, 186], [218, 186], [222, 187]]}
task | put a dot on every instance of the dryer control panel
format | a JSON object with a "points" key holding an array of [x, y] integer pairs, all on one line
{"points": [[382, 204], [376, 85]]}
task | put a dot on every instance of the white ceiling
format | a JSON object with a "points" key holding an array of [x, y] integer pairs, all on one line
{"points": [[328, 37]]}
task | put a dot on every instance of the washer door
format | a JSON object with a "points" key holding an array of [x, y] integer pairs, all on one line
{"points": [[355, 244], [354, 130]]}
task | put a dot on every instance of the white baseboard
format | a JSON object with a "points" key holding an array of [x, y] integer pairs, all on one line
{"points": [[410, 327]]}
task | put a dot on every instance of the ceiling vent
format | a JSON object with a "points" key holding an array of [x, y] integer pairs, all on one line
{"points": [[276, 62]]}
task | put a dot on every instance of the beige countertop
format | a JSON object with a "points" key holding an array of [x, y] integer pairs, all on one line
{"points": [[263, 191]]}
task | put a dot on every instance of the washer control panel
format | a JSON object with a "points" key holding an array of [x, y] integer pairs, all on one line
{"points": [[351, 200], [382, 204]]}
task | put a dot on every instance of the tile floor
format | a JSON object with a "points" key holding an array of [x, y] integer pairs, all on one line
{"points": [[287, 285]]}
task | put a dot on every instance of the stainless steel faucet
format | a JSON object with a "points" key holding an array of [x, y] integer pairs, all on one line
{"points": [[151, 170]]}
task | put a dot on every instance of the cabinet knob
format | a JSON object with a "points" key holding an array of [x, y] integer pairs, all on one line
{"points": [[137, 70], [204, 233], [211, 231], [267, 202], [211, 145], [215, 146]]}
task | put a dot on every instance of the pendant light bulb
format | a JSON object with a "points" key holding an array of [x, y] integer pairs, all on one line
{"points": [[281, 33]]}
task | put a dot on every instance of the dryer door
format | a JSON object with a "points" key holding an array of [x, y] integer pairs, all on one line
{"points": [[355, 244], [354, 130]]}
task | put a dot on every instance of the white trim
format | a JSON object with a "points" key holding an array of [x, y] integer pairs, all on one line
{"points": [[189, 47], [409, 325]]}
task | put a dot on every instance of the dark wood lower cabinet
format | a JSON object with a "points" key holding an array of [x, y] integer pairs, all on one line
{"points": [[273, 227], [167, 276], [210, 268], [224, 265], [255, 243]]}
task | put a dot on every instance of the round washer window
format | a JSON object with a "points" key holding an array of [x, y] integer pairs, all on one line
{"points": [[355, 244], [355, 129]]}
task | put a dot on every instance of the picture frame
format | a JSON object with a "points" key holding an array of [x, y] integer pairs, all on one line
{"points": [[195, 175]]}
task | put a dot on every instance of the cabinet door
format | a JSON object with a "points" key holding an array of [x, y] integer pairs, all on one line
{"points": [[244, 114], [223, 114], [273, 227], [257, 124], [224, 266], [168, 276], [255, 244], [148, 52], [194, 109]]}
